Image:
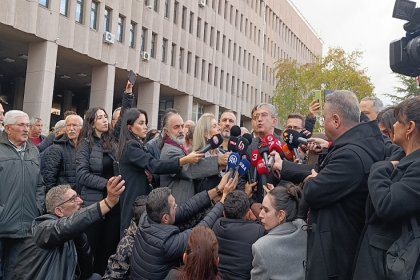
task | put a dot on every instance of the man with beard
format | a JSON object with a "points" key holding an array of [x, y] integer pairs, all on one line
{"points": [[227, 120], [60, 165], [181, 184], [21, 192]]}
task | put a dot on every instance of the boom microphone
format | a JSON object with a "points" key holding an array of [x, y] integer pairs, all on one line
{"points": [[214, 142]]}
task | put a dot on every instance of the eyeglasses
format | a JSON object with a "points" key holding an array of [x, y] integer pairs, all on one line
{"points": [[294, 127], [262, 115], [72, 199]]}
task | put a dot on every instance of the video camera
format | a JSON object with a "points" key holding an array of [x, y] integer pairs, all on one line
{"points": [[404, 54]]}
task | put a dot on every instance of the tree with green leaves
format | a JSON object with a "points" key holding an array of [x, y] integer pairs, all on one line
{"points": [[336, 71], [409, 88]]}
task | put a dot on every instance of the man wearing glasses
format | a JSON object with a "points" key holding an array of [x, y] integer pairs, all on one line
{"points": [[21, 191], [59, 164], [59, 248]]}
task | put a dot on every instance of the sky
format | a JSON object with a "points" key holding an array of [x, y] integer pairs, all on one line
{"points": [[365, 25]]}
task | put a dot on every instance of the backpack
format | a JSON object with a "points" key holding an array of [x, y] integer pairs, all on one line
{"points": [[402, 258]]}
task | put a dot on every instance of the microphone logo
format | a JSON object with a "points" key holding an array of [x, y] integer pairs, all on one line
{"points": [[233, 160], [215, 139]]}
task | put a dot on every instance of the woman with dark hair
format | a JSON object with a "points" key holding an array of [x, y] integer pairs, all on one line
{"points": [[135, 160], [95, 157], [386, 120], [394, 190], [282, 252], [201, 258]]}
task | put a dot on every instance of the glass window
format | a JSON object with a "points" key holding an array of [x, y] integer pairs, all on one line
{"points": [[153, 47], [79, 11], [94, 15], [191, 22], [164, 49], [189, 56], [120, 31], [176, 7], [184, 17], [198, 27], [143, 39], [173, 54], [206, 26], [107, 19], [197, 61], [44, 3], [166, 10], [132, 39], [203, 69], [181, 58], [156, 5], [64, 7]]}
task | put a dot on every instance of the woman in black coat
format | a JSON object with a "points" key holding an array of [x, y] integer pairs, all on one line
{"points": [[394, 190], [135, 161]]}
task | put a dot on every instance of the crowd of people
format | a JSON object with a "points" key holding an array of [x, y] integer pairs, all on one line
{"points": [[209, 200]]}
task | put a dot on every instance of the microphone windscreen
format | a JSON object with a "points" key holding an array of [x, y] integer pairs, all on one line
{"points": [[242, 145], [291, 136], [248, 137], [244, 166], [235, 131], [262, 167], [215, 141], [255, 157], [233, 160]]}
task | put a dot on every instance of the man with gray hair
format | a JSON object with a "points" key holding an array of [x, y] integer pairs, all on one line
{"points": [[371, 106], [59, 246], [336, 188], [35, 131], [59, 159], [21, 191]]}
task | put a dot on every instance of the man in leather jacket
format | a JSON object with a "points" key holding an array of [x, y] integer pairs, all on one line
{"points": [[59, 247]]}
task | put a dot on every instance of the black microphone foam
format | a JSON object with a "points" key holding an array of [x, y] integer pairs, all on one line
{"points": [[248, 137], [235, 131], [214, 142]]}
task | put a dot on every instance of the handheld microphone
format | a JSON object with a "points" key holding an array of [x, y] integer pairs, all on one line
{"points": [[255, 157], [294, 138], [269, 139], [242, 146], [248, 137], [264, 149], [233, 162], [244, 166], [212, 143], [277, 147], [235, 131], [288, 153], [262, 171]]}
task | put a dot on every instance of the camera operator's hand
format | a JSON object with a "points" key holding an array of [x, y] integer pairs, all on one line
{"points": [[250, 188], [191, 158], [223, 159], [317, 144], [230, 186], [278, 162], [115, 187], [129, 88], [314, 108]]}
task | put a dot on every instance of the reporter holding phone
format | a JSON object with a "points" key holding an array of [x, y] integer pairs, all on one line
{"points": [[135, 160]]}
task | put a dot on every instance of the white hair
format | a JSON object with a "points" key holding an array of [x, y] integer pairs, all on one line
{"points": [[77, 116], [59, 125], [11, 116]]}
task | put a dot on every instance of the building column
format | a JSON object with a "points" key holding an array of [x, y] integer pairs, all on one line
{"points": [[19, 93], [102, 88], [67, 101], [148, 100], [213, 109], [183, 104], [39, 85]]}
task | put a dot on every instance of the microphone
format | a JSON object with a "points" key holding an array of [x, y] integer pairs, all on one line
{"points": [[235, 131], [277, 147], [244, 166], [248, 137], [255, 157], [242, 146], [233, 162], [269, 139], [214, 142], [263, 149], [262, 171], [288, 154], [294, 138]]}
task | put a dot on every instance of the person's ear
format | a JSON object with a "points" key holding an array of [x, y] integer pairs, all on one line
{"points": [[129, 127], [165, 219], [216, 261], [281, 215], [411, 126], [58, 212], [337, 120], [185, 258]]}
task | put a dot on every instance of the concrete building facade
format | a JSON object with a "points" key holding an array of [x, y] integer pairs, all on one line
{"points": [[196, 56]]}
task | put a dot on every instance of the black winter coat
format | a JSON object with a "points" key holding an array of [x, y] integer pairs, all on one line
{"points": [[235, 246], [89, 169], [159, 247], [133, 164], [394, 198], [59, 164], [58, 246], [337, 198]]}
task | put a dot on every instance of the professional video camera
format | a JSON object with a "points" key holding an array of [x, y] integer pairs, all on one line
{"points": [[404, 54]]}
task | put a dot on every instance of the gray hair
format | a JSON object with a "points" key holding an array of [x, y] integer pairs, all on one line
{"points": [[77, 116], [270, 107], [11, 116], [55, 196], [60, 125], [34, 120], [377, 103], [345, 103], [157, 203], [114, 114]]}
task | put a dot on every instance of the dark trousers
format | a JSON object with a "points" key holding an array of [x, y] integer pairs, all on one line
{"points": [[103, 238], [10, 249]]}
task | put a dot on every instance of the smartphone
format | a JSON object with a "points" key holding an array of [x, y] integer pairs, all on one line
{"points": [[116, 167], [132, 77], [318, 96]]}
